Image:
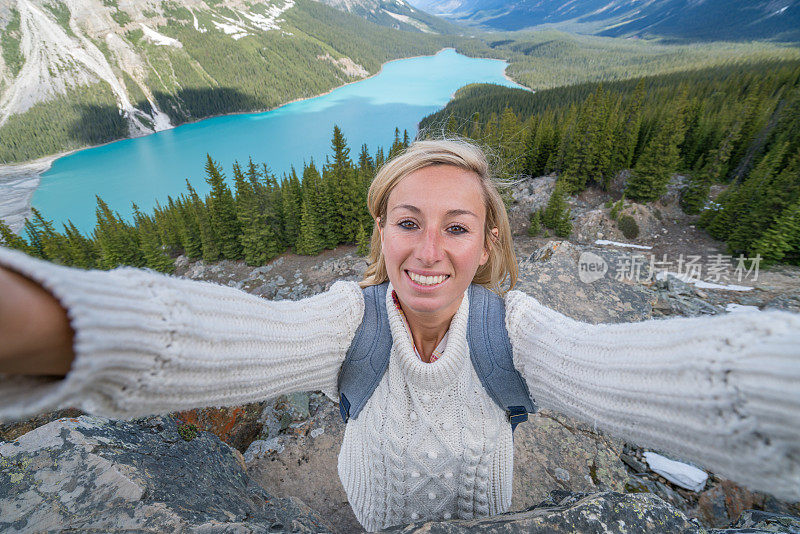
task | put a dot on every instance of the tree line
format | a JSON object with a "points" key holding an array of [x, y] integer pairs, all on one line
{"points": [[260, 218]]}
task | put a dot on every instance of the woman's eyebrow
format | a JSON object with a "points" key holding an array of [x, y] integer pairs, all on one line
{"points": [[450, 213]]}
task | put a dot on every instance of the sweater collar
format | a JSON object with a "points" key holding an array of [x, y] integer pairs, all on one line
{"points": [[444, 370]]}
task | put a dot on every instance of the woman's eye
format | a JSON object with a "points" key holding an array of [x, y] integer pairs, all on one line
{"points": [[408, 225], [457, 229]]}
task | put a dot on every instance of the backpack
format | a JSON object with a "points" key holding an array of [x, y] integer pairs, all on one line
{"points": [[489, 346]]}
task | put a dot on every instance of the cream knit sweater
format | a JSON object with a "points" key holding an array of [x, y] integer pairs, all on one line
{"points": [[723, 391]]}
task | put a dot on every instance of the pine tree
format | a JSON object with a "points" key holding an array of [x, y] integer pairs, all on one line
{"points": [[151, 249], [190, 230], [397, 145], [556, 213], [168, 225], [292, 206], [258, 241], [54, 245], [588, 154], [222, 209], [208, 236], [626, 134], [696, 194], [342, 191], [83, 252], [362, 241], [781, 241], [308, 242], [511, 143], [659, 160], [35, 239], [11, 240], [117, 242], [535, 227]]}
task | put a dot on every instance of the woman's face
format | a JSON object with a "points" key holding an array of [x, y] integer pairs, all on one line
{"points": [[433, 238]]}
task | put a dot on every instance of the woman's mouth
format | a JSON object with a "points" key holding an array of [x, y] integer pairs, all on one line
{"points": [[427, 281]]}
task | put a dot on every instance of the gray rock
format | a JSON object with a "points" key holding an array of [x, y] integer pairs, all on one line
{"points": [[564, 512], [306, 466], [551, 275], [90, 473], [554, 452], [754, 521]]}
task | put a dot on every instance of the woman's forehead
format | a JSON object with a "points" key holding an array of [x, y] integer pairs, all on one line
{"points": [[444, 187]]}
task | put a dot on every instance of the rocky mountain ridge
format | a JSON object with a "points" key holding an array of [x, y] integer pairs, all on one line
{"points": [[681, 19]]}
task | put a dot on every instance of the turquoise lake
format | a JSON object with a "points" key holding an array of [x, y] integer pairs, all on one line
{"points": [[150, 168]]}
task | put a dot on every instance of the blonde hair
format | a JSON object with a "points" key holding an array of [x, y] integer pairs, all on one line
{"points": [[501, 267]]}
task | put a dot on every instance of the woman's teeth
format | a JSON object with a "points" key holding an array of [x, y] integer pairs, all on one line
{"points": [[427, 280]]}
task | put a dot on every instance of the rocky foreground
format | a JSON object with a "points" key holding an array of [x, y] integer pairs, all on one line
{"points": [[271, 466]]}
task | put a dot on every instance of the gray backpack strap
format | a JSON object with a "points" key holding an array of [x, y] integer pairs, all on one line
{"points": [[490, 350], [368, 356]]}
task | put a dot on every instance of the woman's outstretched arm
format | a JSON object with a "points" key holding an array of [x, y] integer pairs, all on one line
{"points": [[723, 391], [146, 343]]}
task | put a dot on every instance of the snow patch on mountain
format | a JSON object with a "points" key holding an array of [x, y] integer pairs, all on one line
{"points": [[159, 39], [408, 20]]}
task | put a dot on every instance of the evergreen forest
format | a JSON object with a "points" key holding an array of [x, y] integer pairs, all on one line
{"points": [[734, 126]]}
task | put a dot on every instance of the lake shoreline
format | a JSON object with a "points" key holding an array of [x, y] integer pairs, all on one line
{"points": [[19, 181]]}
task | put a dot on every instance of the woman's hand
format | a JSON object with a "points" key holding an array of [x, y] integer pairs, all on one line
{"points": [[35, 333]]}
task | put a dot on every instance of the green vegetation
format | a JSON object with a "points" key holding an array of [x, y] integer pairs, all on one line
{"points": [[188, 431], [86, 115], [556, 215], [547, 59], [628, 227], [62, 15], [535, 226], [10, 42]]}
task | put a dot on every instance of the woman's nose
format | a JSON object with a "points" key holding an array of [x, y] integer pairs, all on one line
{"points": [[429, 249]]}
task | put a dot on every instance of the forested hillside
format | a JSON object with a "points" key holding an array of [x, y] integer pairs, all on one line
{"points": [[545, 59], [104, 71], [736, 125]]}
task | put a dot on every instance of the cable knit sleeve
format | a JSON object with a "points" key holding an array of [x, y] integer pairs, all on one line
{"points": [[148, 343], [723, 391]]}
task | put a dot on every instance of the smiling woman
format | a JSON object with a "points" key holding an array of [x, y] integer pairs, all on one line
{"points": [[432, 245], [428, 437]]}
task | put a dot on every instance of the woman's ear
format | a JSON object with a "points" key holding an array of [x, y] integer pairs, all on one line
{"points": [[487, 248], [380, 228]]}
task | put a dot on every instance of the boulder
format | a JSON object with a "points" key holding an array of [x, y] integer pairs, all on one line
{"points": [[303, 463], [91, 473], [552, 275], [565, 512], [551, 452], [554, 452]]}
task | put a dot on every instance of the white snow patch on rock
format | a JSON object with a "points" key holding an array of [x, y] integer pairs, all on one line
{"points": [[160, 39], [684, 475], [701, 283], [408, 20], [734, 307], [618, 244]]}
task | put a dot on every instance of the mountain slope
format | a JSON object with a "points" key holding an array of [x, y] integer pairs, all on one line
{"points": [[681, 19], [81, 72]]}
